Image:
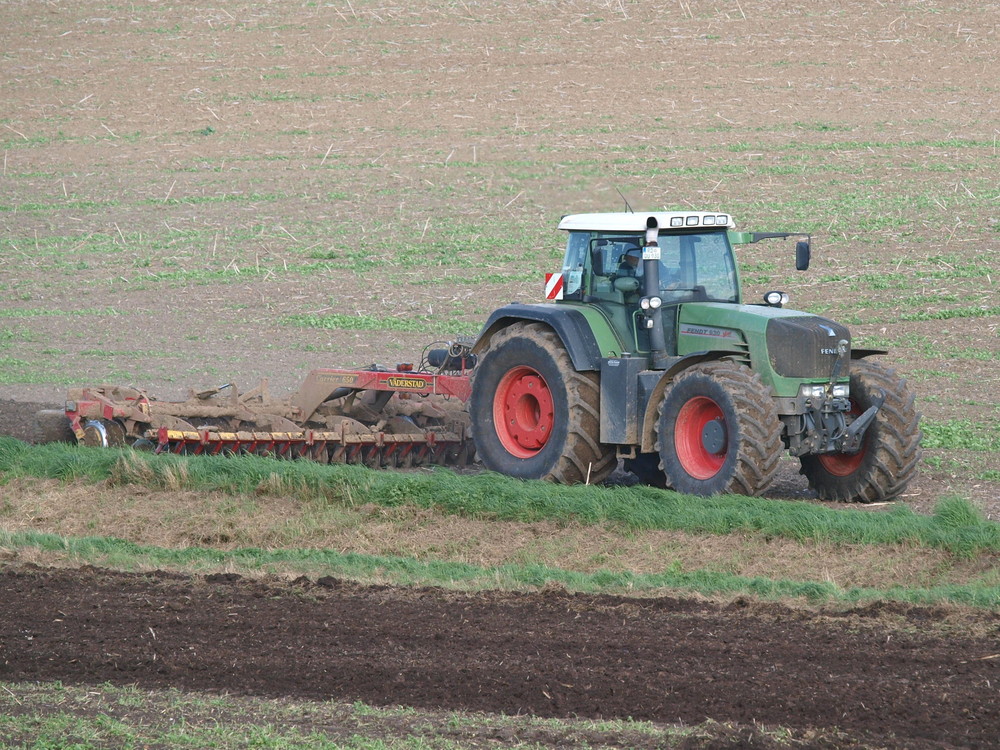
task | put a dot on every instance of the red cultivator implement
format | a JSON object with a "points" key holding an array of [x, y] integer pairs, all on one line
{"points": [[376, 416]]}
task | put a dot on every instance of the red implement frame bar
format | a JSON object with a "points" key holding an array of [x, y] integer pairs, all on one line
{"points": [[320, 384], [422, 383]]}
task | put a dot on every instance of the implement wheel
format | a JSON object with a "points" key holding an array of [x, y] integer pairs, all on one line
{"points": [[103, 433], [533, 415], [718, 431], [890, 451]]}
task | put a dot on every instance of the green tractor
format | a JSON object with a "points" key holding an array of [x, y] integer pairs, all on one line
{"points": [[648, 353]]}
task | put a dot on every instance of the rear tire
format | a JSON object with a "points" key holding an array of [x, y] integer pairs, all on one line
{"points": [[890, 451], [533, 415], [718, 431]]}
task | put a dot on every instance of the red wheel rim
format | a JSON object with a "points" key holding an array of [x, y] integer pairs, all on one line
{"points": [[522, 412], [698, 460], [842, 464], [845, 464]]}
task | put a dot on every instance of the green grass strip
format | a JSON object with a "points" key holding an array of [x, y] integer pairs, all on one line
{"points": [[409, 571], [955, 526]]}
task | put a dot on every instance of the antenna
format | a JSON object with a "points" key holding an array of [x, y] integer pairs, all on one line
{"points": [[627, 206]]}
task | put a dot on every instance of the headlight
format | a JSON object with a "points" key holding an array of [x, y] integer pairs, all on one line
{"points": [[647, 303], [841, 391], [812, 391], [776, 299]]}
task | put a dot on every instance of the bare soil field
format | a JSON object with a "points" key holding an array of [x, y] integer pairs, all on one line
{"points": [[552, 655], [197, 194]]}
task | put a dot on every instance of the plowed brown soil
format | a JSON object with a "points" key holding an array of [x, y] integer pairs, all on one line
{"points": [[549, 654]]}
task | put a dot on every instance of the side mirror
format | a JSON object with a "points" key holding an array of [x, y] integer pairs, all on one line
{"points": [[626, 284], [802, 255], [597, 260]]}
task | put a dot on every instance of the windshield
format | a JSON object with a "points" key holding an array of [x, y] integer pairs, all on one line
{"points": [[692, 266]]}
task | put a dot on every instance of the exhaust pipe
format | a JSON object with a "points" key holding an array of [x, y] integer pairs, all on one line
{"points": [[651, 302]]}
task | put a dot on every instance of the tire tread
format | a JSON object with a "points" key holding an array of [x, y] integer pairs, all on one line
{"points": [[759, 453], [896, 453], [585, 458]]}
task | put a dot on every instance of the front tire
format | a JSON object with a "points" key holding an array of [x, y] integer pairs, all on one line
{"points": [[533, 415], [890, 451], [718, 431]]}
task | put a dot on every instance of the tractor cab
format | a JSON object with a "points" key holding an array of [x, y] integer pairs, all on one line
{"points": [[608, 257]]}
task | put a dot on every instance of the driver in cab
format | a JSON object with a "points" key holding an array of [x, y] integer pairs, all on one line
{"points": [[630, 265]]}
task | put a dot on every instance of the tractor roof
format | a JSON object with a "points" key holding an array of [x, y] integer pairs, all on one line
{"points": [[636, 222]]}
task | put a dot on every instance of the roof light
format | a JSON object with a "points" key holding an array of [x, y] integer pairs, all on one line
{"points": [[691, 221], [676, 221], [708, 220]]}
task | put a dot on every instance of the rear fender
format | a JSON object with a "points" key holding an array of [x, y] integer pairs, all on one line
{"points": [[585, 332]]}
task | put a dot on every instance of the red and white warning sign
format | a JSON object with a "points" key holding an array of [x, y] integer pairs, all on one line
{"points": [[553, 286]]}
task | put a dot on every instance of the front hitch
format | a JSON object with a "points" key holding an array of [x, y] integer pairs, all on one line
{"points": [[821, 426], [850, 440]]}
